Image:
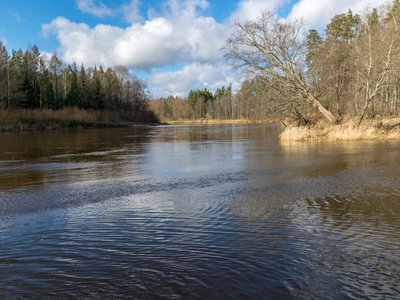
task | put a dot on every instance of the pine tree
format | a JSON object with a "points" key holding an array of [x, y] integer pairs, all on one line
{"points": [[73, 92]]}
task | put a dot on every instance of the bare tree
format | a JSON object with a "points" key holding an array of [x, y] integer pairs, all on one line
{"points": [[276, 49], [122, 74], [374, 56], [55, 68]]}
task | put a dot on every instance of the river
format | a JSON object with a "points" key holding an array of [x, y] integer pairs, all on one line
{"points": [[197, 212]]}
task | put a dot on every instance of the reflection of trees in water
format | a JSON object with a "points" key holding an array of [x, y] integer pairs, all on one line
{"points": [[327, 181], [39, 158], [360, 196], [203, 133], [339, 221], [319, 157], [350, 179]]}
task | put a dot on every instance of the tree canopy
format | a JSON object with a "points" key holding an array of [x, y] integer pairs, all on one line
{"points": [[30, 80], [276, 50]]}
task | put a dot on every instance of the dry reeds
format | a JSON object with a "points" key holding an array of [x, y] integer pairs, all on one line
{"points": [[48, 114], [343, 132], [39, 119]]}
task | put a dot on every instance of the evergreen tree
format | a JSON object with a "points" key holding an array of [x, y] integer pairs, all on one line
{"points": [[4, 76], [98, 97], [73, 92], [82, 96], [314, 41], [55, 71]]}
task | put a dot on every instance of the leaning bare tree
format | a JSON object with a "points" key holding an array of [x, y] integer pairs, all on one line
{"points": [[276, 49]]}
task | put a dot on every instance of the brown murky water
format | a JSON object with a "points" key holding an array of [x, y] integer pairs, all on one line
{"points": [[206, 212]]}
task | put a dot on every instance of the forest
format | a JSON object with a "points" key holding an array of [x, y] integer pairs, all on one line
{"points": [[30, 80], [348, 71]]}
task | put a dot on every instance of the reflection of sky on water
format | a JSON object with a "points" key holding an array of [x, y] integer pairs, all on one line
{"points": [[189, 210], [68, 156]]}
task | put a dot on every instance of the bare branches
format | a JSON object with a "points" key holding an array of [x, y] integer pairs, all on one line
{"points": [[268, 47], [374, 57]]}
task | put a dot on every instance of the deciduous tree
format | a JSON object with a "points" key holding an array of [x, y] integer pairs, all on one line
{"points": [[272, 48]]}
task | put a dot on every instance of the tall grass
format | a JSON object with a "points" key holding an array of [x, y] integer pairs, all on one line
{"points": [[344, 132]]}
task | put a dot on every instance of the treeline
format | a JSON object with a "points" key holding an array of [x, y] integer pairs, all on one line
{"points": [[355, 66], [247, 103], [350, 70], [32, 81], [199, 104]]}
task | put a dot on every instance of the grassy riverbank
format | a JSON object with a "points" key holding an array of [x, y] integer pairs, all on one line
{"points": [[46, 119], [374, 129]]}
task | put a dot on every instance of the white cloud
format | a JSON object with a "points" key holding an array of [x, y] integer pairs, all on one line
{"points": [[88, 6], [318, 13], [131, 11], [172, 8], [80, 43], [179, 33], [183, 35], [46, 56], [250, 9], [191, 76]]}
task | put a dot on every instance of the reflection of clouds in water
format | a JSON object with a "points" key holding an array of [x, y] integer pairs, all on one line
{"points": [[356, 154], [194, 152], [194, 209]]}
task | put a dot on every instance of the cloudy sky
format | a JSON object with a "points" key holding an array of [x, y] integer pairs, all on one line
{"points": [[172, 45]]}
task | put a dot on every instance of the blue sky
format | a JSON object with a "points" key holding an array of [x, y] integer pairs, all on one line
{"points": [[172, 45]]}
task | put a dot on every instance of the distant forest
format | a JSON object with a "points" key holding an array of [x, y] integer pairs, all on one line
{"points": [[350, 70], [32, 81]]}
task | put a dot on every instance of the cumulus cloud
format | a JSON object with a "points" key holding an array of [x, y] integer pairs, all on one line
{"points": [[178, 33], [191, 76], [319, 12], [182, 35], [80, 43]]}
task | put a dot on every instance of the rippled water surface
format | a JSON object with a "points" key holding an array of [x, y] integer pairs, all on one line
{"points": [[204, 212]]}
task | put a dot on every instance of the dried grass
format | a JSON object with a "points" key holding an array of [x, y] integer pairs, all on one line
{"points": [[344, 132], [26, 119], [48, 114]]}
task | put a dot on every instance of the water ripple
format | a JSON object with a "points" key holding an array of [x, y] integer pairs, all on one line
{"points": [[252, 219]]}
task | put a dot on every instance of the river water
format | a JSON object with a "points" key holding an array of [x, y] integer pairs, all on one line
{"points": [[197, 212]]}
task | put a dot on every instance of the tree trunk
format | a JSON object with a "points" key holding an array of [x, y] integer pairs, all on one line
{"points": [[363, 113], [328, 116]]}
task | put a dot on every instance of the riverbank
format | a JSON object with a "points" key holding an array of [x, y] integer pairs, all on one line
{"points": [[217, 121], [46, 119], [374, 129]]}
